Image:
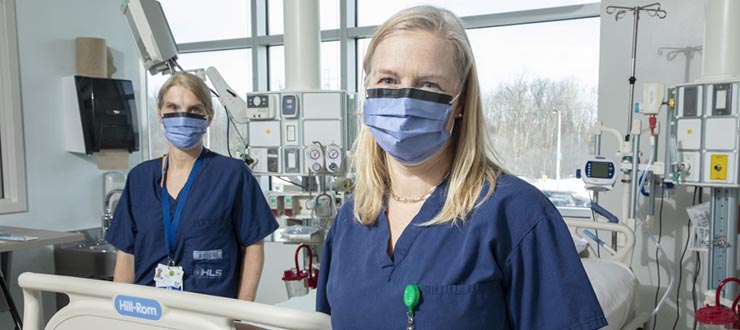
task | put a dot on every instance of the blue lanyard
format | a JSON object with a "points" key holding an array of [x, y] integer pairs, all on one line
{"points": [[170, 223]]}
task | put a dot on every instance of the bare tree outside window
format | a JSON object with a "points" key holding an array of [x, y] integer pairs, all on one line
{"points": [[539, 88]]}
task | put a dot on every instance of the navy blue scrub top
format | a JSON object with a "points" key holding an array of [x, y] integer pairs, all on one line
{"points": [[226, 210], [511, 265]]}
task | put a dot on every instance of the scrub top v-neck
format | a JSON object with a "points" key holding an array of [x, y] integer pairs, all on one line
{"points": [[510, 265], [171, 220], [225, 211]]}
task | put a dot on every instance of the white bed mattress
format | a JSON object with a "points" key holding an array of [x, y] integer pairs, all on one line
{"points": [[615, 286]]}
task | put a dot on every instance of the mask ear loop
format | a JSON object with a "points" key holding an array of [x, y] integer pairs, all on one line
{"points": [[459, 115], [455, 98]]}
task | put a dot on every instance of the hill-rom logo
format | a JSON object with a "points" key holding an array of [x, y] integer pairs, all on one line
{"points": [[138, 307]]}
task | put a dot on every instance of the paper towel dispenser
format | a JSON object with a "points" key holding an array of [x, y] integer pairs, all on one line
{"points": [[100, 114]]}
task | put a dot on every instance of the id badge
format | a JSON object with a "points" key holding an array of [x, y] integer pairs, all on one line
{"points": [[168, 277]]}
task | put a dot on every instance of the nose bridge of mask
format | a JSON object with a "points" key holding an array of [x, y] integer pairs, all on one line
{"points": [[182, 114], [426, 109], [181, 121], [413, 93], [397, 124], [407, 107]]}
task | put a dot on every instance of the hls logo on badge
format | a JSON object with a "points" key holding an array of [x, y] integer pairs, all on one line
{"points": [[138, 307], [208, 273]]}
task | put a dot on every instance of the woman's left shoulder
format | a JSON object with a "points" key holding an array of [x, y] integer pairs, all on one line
{"points": [[517, 201], [513, 190], [226, 164]]}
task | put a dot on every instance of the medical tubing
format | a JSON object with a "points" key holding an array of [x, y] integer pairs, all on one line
{"points": [[649, 164], [693, 288], [680, 277], [737, 299], [310, 260], [663, 254], [651, 159], [660, 236], [671, 272], [719, 291]]}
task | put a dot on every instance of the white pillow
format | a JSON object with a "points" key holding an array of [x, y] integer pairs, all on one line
{"points": [[581, 244]]}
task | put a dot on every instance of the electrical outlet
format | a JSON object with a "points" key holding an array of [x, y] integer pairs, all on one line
{"points": [[690, 166]]}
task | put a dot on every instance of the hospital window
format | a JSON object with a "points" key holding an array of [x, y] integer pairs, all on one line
{"points": [[235, 67], [328, 11], [362, 45], [374, 12], [13, 197], [2, 194], [531, 76], [329, 66], [525, 86], [198, 20]]}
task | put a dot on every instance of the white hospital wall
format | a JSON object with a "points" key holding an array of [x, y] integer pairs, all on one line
{"points": [[64, 190], [683, 27]]}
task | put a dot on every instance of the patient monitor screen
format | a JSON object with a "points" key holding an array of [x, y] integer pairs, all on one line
{"points": [[599, 169]]}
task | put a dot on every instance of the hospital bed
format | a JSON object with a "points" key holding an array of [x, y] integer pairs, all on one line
{"points": [[95, 304], [99, 304], [613, 281]]}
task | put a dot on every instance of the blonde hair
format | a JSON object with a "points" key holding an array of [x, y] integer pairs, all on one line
{"points": [[192, 83], [471, 167]]}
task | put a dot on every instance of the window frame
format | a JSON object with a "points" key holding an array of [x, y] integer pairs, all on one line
{"points": [[348, 34], [14, 198]]}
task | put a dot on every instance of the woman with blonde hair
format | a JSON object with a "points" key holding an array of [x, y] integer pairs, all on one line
{"points": [[437, 235], [191, 220]]}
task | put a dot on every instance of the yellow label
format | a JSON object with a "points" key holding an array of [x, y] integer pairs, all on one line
{"points": [[718, 169], [690, 131], [267, 131]]}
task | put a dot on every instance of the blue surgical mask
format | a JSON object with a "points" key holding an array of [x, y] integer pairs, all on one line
{"points": [[408, 123], [184, 130]]}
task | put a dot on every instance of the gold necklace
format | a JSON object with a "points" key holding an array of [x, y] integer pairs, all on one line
{"points": [[404, 200], [412, 200]]}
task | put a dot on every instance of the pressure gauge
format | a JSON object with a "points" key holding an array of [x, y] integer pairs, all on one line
{"points": [[314, 158]]}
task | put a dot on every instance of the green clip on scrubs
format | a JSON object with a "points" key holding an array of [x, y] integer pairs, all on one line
{"points": [[511, 265]]}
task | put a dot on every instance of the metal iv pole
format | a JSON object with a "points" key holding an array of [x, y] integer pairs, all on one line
{"points": [[653, 10]]}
